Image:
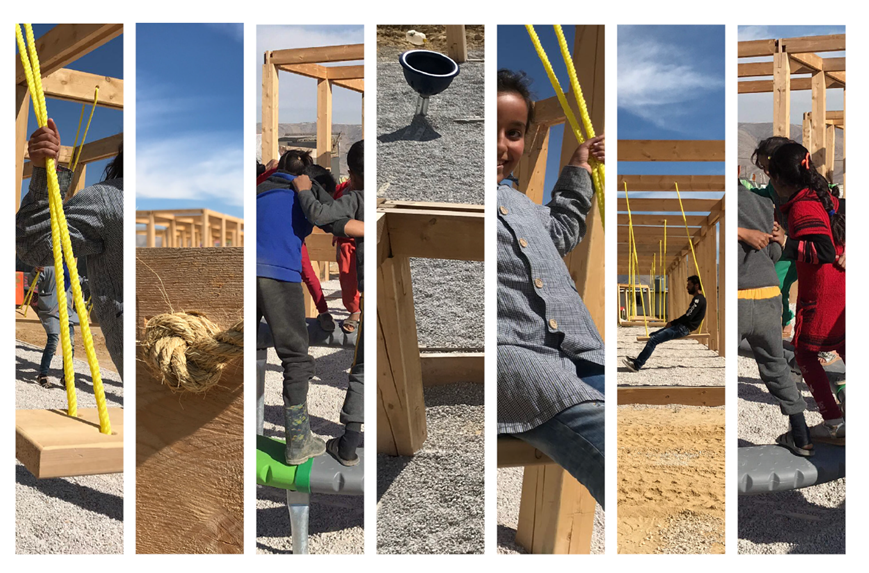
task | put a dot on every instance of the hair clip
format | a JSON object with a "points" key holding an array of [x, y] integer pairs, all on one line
{"points": [[832, 212], [806, 160]]}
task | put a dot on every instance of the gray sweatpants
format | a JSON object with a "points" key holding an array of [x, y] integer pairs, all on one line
{"points": [[760, 325]]}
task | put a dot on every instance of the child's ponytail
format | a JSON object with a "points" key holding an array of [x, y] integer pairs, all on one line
{"points": [[792, 164]]}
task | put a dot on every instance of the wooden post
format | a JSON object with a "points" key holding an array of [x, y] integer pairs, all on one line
{"points": [[706, 256], [457, 45], [223, 231], [206, 230], [819, 122], [78, 181], [807, 130], [22, 112], [189, 448], [781, 92], [532, 165], [401, 423], [173, 233], [722, 276], [324, 123], [270, 111], [830, 138], [151, 231], [558, 511]]}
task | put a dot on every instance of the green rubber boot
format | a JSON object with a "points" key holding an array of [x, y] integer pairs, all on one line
{"points": [[301, 443]]}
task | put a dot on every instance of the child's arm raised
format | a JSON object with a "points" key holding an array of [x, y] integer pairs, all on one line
{"points": [[572, 196], [320, 213]]}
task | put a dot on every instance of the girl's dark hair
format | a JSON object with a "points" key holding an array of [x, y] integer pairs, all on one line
{"points": [[294, 161], [115, 168], [322, 176], [792, 165], [767, 147], [356, 158], [260, 168], [517, 82]]}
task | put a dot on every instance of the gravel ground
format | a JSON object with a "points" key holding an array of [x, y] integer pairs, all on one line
{"points": [[809, 520], [66, 515], [435, 158], [433, 502], [676, 363], [336, 521], [509, 496]]}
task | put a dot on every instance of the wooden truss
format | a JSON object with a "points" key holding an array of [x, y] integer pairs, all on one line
{"points": [[308, 62], [57, 48], [799, 57], [677, 264], [190, 228]]}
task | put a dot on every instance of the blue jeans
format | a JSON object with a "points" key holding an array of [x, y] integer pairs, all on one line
{"points": [[574, 439], [659, 337], [51, 348]]}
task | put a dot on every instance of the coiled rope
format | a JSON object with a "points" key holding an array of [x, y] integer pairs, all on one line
{"points": [[188, 351], [62, 249]]}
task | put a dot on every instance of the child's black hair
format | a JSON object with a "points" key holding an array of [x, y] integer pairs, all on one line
{"points": [[356, 158], [792, 165], [294, 161], [695, 280], [766, 147], [260, 168], [322, 176], [115, 168], [517, 82]]}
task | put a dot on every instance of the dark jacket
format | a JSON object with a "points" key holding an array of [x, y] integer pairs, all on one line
{"points": [[756, 268], [695, 314]]}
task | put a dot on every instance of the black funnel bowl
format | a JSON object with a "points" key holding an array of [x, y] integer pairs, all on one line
{"points": [[428, 73]]}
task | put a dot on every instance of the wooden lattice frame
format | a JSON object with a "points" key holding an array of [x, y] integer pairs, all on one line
{"points": [[184, 228], [57, 48]]}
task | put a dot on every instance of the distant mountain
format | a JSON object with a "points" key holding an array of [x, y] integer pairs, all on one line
{"points": [[348, 135], [752, 133]]}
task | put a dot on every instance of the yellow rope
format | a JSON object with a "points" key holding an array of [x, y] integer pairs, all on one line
{"points": [[86, 129], [652, 286], [28, 298], [636, 260], [666, 278], [62, 249], [690, 244], [568, 113]]}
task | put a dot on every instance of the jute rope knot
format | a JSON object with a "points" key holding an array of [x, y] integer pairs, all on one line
{"points": [[189, 351]]}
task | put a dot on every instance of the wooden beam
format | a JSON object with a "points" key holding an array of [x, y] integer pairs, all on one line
{"points": [[443, 232], [814, 62], [693, 220], [668, 204], [514, 453], [645, 183], [834, 80], [324, 124], [51, 444], [65, 43], [807, 130], [532, 165], [315, 71], [659, 150], [270, 112], [352, 85], [320, 55], [345, 72], [666, 395], [193, 438], [78, 87], [829, 43], [457, 44], [781, 97], [439, 368], [722, 285], [754, 48], [549, 112]]}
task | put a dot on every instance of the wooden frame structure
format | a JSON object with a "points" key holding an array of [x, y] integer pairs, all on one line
{"points": [[57, 48], [650, 215], [186, 228], [792, 57], [308, 62], [556, 513]]}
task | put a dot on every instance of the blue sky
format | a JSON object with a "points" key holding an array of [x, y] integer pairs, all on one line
{"points": [[298, 95], [757, 108], [107, 60], [190, 117], [516, 52]]}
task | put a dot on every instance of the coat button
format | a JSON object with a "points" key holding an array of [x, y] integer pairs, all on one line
{"points": [[538, 283], [523, 243], [504, 210], [553, 324]]}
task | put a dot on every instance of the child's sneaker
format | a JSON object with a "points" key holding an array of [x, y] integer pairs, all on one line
{"points": [[629, 362], [831, 432]]}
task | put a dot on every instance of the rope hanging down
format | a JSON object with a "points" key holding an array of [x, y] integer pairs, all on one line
{"points": [[28, 298], [188, 351], [62, 248], [635, 259], [597, 169], [691, 244], [75, 143]]}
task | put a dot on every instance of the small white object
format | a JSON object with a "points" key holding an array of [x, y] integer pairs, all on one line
{"points": [[415, 38]]}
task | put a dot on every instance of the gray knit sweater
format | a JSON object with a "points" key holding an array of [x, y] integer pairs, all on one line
{"points": [[756, 268], [95, 217]]}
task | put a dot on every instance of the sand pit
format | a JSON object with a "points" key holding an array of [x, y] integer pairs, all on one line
{"points": [[670, 479]]}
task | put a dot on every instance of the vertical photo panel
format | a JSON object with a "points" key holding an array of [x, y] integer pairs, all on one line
{"points": [[189, 288], [671, 297], [430, 303], [791, 289], [310, 289], [551, 375], [69, 199]]}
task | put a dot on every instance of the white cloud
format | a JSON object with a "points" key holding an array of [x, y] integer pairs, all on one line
{"points": [[748, 33], [199, 167], [234, 31], [656, 80]]}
